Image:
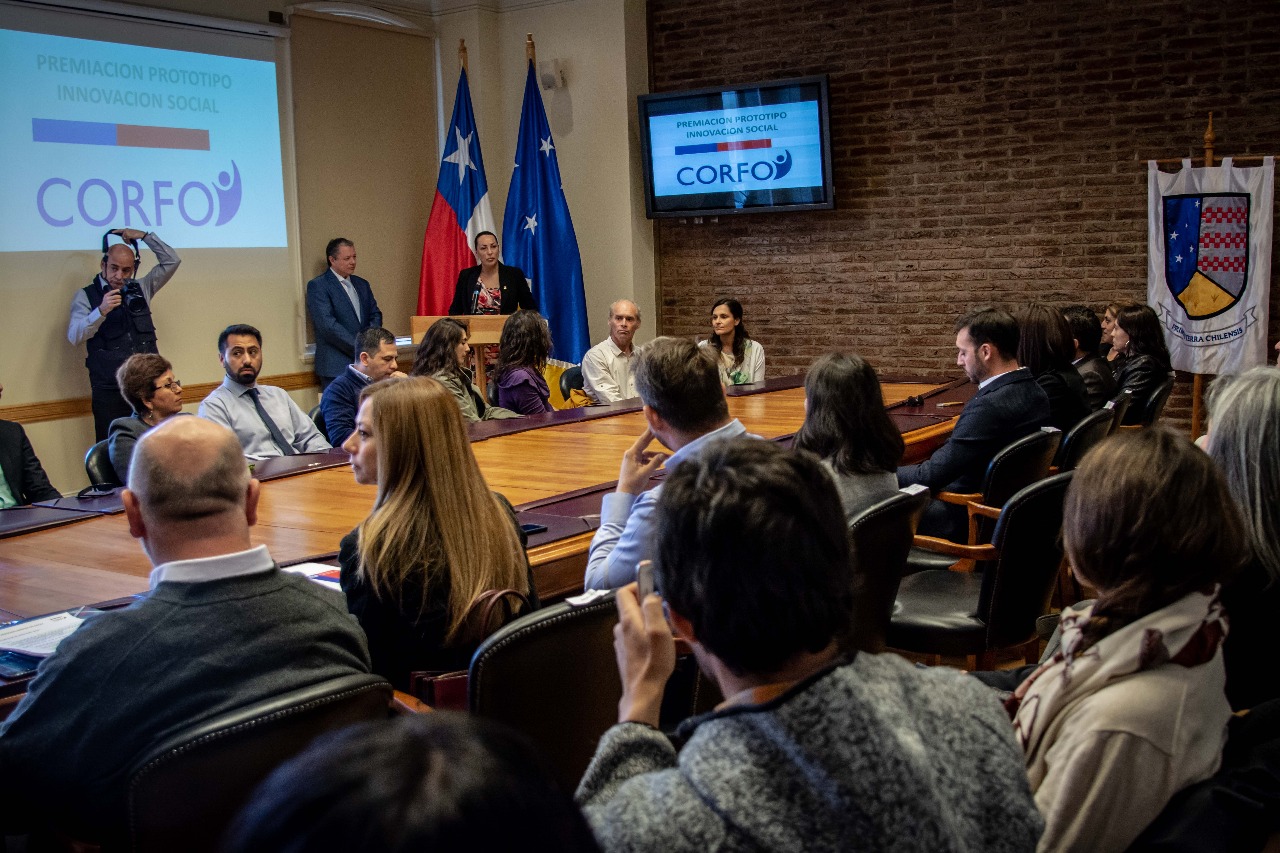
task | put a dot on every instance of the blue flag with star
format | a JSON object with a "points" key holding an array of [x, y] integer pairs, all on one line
{"points": [[537, 232]]}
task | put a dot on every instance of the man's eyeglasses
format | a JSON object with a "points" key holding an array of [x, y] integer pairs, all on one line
{"points": [[170, 385]]}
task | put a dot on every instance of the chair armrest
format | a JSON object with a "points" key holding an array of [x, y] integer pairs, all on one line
{"points": [[982, 509], [406, 703], [951, 549], [958, 498]]}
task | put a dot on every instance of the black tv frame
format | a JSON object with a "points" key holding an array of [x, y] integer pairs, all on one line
{"points": [[828, 202]]}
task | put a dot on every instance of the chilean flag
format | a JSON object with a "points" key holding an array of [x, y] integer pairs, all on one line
{"points": [[459, 211]]}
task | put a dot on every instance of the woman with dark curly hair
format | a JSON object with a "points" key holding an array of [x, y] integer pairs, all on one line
{"points": [[846, 426], [146, 381], [741, 358], [443, 355], [523, 351], [1138, 337]]}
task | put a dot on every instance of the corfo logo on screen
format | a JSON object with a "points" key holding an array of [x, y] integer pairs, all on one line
{"points": [[736, 173], [99, 201]]}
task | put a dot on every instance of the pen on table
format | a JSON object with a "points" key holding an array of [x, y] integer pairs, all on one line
{"points": [[945, 405]]}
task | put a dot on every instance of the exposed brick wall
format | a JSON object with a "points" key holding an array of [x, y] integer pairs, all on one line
{"points": [[985, 152]]}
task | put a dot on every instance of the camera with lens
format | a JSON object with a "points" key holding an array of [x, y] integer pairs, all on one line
{"points": [[131, 295]]}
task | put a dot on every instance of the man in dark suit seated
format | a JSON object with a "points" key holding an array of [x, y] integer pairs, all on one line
{"points": [[340, 303], [1009, 405], [24, 480], [376, 355], [222, 627], [1099, 381]]}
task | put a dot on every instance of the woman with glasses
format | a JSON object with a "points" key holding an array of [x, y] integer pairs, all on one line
{"points": [[146, 381]]}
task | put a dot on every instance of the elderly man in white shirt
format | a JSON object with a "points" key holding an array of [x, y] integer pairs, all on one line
{"points": [[264, 417], [606, 368]]}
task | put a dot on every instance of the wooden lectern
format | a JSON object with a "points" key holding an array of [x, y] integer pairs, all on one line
{"points": [[486, 329]]}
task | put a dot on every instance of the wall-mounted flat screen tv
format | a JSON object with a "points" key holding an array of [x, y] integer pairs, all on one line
{"points": [[740, 149]]}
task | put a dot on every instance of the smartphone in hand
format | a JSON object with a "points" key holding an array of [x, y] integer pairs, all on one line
{"points": [[645, 578]]}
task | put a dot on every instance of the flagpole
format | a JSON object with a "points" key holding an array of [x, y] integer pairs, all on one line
{"points": [[462, 54], [1197, 379], [530, 53]]}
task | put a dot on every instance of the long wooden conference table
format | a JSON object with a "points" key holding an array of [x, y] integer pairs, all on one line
{"points": [[552, 465]]}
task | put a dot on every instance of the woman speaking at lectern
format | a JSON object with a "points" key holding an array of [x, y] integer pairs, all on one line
{"points": [[491, 287]]}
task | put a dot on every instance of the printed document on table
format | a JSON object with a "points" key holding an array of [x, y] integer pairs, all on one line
{"points": [[38, 637]]}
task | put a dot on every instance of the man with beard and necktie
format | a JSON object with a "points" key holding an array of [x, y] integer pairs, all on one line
{"points": [[264, 417]]}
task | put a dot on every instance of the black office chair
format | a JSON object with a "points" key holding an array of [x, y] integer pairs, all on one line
{"points": [[941, 612], [1153, 406], [97, 464], [1081, 439], [317, 418], [1016, 466], [569, 380], [880, 537], [552, 675], [1118, 407], [185, 793]]}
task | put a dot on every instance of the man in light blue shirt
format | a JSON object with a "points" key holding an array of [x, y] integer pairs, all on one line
{"points": [[686, 409], [264, 417]]}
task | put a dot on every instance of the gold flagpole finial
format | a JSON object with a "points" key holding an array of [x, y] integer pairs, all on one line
{"points": [[529, 52], [462, 53]]}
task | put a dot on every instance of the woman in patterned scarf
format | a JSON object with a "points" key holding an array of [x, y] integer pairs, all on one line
{"points": [[1131, 709]]}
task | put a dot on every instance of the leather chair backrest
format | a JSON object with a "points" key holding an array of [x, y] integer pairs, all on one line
{"points": [[1119, 408], [1018, 585], [1154, 405], [317, 417], [552, 675], [185, 793], [1082, 437], [569, 380], [880, 537], [1014, 468], [97, 464]]}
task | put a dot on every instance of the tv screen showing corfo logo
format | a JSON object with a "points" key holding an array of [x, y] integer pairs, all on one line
{"points": [[737, 150]]}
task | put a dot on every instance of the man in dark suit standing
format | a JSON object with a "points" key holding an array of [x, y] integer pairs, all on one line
{"points": [[1009, 405], [341, 304], [24, 480], [1099, 381]]}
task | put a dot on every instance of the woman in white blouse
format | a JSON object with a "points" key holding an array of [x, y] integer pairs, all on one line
{"points": [[741, 357]]}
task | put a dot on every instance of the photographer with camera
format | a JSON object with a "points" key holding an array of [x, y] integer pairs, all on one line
{"points": [[112, 335]]}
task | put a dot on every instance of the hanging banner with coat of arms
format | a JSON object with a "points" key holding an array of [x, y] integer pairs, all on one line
{"points": [[1209, 263]]}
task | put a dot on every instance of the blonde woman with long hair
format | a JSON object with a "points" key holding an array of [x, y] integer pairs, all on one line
{"points": [[437, 538]]}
